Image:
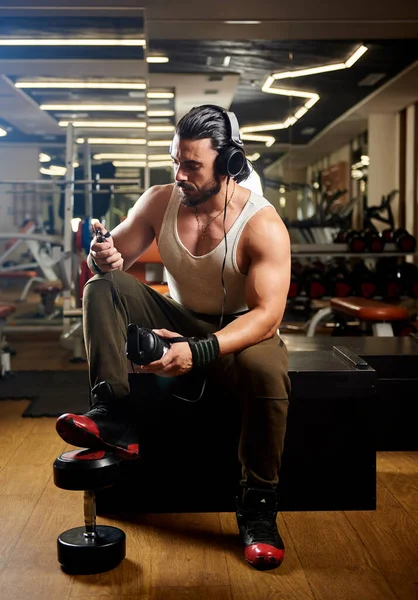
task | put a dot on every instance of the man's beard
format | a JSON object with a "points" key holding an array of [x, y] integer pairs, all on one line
{"points": [[209, 190]]}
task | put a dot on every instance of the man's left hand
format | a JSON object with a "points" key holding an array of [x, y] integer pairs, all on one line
{"points": [[177, 361]]}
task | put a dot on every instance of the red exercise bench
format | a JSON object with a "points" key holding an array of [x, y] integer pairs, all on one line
{"points": [[5, 311], [379, 314]]}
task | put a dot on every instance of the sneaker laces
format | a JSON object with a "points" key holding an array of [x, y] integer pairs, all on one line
{"points": [[262, 528], [100, 409]]}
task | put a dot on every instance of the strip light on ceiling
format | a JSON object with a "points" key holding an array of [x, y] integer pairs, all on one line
{"points": [[105, 124], [70, 42], [161, 128], [311, 97], [95, 107], [87, 85], [118, 155], [139, 164], [54, 170], [161, 113], [160, 143], [129, 163], [155, 95], [268, 140], [114, 141]]}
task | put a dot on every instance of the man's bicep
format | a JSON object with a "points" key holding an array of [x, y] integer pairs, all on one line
{"points": [[268, 276]]}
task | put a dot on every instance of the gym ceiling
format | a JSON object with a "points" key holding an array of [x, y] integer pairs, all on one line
{"points": [[211, 60]]}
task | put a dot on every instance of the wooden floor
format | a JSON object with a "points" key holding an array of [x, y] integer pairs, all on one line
{"points": [[329, 556]]}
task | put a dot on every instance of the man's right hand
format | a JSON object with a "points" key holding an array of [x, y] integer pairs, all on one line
{"points": [[104, 253]]}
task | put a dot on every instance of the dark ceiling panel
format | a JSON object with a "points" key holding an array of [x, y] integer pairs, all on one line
{"points": [[255, 60], [71, 28]]}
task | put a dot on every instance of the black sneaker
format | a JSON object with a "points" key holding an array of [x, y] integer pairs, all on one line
{"points": [[256, 518], [104, 426]]}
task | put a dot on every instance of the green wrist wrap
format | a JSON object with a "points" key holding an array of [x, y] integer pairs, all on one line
{"points": [[205, 351]]}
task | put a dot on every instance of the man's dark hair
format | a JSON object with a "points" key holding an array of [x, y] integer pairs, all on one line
{"points": [[207, 122]]}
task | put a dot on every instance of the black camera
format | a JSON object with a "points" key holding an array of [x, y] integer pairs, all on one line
{"points": [[143, 345]]}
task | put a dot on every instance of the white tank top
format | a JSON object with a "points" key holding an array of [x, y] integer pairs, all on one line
{"points": [[196, 281]]}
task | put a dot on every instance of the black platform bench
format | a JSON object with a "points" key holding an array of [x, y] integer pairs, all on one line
{"points": [[189, 450], [395, 360]]}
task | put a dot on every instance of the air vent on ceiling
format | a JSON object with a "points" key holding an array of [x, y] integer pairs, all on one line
{"points": [[371, 79], [211, 92], [215, 78], [218, 61], [308, 131]]}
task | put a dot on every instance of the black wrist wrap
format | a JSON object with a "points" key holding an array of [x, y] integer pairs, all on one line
{"points": [[204, 350], [95, 266]]}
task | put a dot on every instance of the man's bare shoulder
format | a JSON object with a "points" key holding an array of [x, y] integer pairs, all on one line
{"points": [[153, 200], [266, 230], [159, 193]]}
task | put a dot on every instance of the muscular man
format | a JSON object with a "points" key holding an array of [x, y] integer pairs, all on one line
{"points": [[189, 220]]}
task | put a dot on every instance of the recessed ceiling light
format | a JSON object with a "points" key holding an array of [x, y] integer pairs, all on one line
{"points": [[242, 22], [3, 132], [157, 59]]}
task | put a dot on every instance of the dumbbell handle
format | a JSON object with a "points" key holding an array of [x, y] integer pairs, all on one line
{"points": [[90, 514]]}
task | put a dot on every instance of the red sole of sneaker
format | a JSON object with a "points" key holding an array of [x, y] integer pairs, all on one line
{"points": [[78, 437], [264, 564]]}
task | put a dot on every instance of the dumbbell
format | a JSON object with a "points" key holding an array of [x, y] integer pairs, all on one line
{"points": [[92, 548], [405, 242], [364, 281], [313, 282], [356, 241], [408, 274], [338, 282], [388, 281], [351, 237], [374, 240], [295, 280]]}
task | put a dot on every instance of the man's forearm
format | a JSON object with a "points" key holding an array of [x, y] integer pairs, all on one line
{"points": [[249, 329]]}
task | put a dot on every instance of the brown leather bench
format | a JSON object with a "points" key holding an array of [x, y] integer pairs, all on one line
{"points": [[379, 314], [17, 274], [48, 291], [366, 309], [6, 310]]}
